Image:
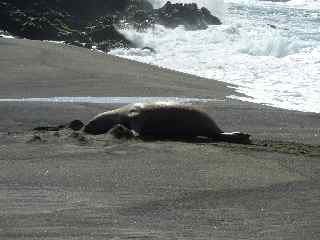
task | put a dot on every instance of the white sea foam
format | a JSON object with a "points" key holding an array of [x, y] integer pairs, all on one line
{"points": [[55, 42], [108, 100], [272, 60], [273, 44], [305, 4], [300, 4], [5, 34]]}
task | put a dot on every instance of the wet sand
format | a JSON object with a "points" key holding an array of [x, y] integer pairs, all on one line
{"points": [[67, 185]]}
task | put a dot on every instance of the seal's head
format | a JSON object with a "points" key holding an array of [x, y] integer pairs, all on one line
{"points": [[102, 123]]}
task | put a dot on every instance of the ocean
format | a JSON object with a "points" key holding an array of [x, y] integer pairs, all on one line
{"points": [[269, 50]]}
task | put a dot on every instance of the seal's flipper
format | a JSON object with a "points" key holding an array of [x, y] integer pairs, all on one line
{"points": [[120, 131], [235, 137]]}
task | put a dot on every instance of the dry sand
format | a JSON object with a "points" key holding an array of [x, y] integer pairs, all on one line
{"points": [[66, 185]]}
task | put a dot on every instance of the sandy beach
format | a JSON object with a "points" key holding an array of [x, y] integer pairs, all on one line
{"points": [[67, 185]]}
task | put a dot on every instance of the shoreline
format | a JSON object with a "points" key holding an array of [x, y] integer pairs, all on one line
{"points": [[62, 70], [69, 185], [233, 93]]}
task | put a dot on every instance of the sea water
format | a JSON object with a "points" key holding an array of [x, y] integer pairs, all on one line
{"points": [[269, 50]]}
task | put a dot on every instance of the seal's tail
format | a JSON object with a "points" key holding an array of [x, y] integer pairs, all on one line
{"points": [[235, 137]]}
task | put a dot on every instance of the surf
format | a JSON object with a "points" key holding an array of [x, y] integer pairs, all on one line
{"points": [[272, 60]]}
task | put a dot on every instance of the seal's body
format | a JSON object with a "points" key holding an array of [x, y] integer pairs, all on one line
{"points": [[162, 119]]}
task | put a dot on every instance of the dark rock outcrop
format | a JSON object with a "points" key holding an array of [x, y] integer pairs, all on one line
{"points": [[89, 10], [189, 15], [92, 23], [54, 20], [104, 35], [171, 15]]}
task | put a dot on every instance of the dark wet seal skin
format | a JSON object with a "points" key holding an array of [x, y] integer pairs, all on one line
{"points": [[157, 120], [75, 125], [163, 120]]}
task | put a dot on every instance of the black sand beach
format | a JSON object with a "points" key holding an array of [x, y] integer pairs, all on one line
{"points": [[66, 185]]}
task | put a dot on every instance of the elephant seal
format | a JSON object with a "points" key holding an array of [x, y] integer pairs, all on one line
{"points": [[162, 119]]}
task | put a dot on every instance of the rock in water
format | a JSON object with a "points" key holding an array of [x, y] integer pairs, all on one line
{"points": [[92, 23], [189, 15]]}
